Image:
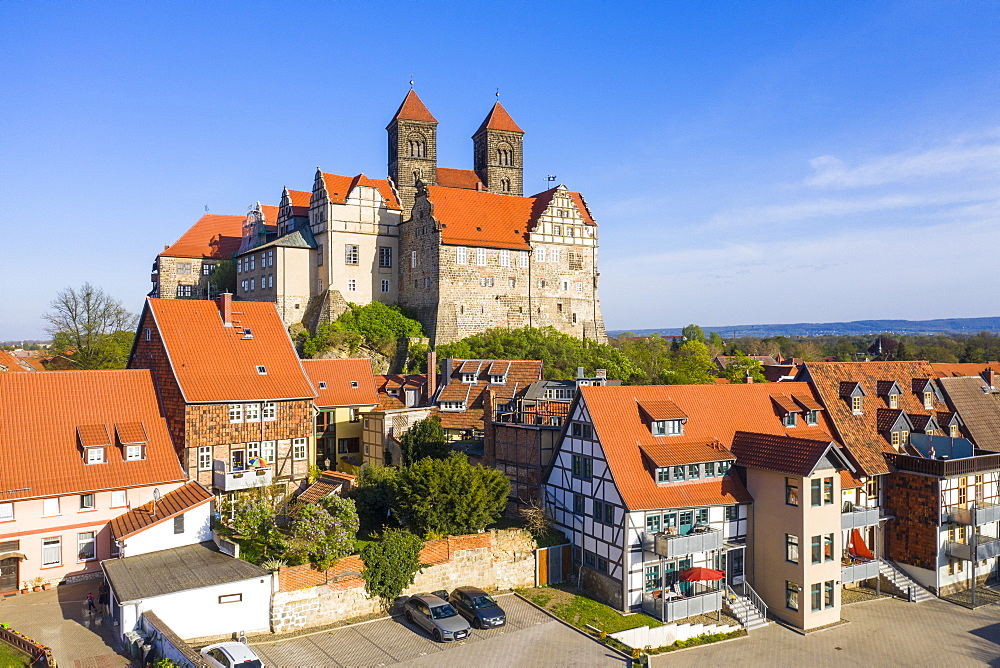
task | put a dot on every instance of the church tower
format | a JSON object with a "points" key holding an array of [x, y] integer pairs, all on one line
{"points": [[412, 149], [497, 153]]}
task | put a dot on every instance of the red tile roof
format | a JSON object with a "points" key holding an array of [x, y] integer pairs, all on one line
{"points": [[715, 413], [337, 376], [212, 362], [459, 178], [521, 374], [674, 453], [339, 188], [780, 453], [170, 505], [499, 119], [848, 481], [40, 413], [93, 435], [662, 410], [131, 433], [413, 109], [397, 383], [213, 236], [270, 213], [481, 218], [964, 369], [9, 362], [328, 483]]}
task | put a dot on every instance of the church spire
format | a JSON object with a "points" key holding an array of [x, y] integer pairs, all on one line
{"points": [[413, 109], [497, 152]]}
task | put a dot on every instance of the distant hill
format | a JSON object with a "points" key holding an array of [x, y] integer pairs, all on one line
{"points": [[857, 327]]}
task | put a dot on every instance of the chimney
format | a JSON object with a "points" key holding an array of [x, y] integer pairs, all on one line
{"points": [[579, 372], [432, 372], [225, 304], [749, 379], [988, 377], [446, 372]]}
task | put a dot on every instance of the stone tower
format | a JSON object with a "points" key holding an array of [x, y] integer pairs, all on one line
{"points": [[498, 156], [412, 149]]}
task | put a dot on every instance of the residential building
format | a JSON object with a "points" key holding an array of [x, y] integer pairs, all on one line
{"points": [[403, 401], [182, 269], [232, 388], [177, 518], [345, 389], [9, 362], [80, 448]]}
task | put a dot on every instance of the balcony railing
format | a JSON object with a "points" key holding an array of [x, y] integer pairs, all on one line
{"points": [[231, 481], [987, 548], [946, 468], [859, 570], [671, 546], [682, 607], [858, 517], [974, 513]]}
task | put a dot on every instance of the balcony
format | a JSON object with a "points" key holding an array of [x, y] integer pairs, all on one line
{"points": [[233, 481], [858, 570], [682, 607], [987, 548], [858, 517], [672, 547], [947, 468], [975, 513]]}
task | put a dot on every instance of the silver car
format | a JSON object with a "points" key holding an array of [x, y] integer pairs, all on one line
{"points": [[436, 616], [230, 655]]}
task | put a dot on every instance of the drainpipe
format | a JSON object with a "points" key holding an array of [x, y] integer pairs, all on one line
{"points": [[974, 545]]}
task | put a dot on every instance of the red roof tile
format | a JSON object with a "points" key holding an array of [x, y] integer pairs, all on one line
{"points": [[673, 453], [964, 369], [785, 404], [848, 481], [93, 435], [397, 383], [778, 452], [413, 109], [270, 213], [131, 433], [212, 362], [328, 483], [342, 382], [481, 218], [339, 188], [213, 236], [499, 119], [170, 505], [10, 363], [459, 178], [662, 410], [40, 413], [521, 374]]}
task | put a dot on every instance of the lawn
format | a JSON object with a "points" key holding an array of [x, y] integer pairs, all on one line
{"points": [[571, 605], [12, 658]]}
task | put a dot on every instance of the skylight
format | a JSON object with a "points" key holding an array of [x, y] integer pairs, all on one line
{"points": [[261, 369], [322, 384]]}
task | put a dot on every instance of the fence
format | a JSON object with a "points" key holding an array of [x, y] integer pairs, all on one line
{"points": [[40, 654]]}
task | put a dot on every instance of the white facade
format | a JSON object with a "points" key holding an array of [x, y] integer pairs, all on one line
{"points": [[195, 527]]}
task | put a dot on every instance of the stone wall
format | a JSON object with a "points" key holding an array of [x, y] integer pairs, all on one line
{"points": [[494, 560], [603, 587], [911, 537]]}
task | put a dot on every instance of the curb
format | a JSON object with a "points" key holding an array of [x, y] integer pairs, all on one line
{"points": [[628, 658]]}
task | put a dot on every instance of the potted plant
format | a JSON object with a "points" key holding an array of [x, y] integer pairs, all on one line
{"points": [[24, 587], [46, 586], [36, 584]]}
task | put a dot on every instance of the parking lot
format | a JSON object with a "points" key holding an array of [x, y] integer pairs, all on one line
{"points": [[530, 638]]}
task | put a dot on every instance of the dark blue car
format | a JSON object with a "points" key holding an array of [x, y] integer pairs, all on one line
{"points": [[478, 607]]}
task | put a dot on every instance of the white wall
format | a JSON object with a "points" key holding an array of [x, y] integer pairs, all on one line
{"points": [[197, 613], [197, 529]]}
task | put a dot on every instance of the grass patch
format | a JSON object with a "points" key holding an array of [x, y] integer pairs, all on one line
{"points": [[13, 658], [704, 639], [578, 609]]}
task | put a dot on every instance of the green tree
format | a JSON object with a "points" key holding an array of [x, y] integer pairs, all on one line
{"points": [[424, 439], [715, 339], [223, 279], [390, 565], [252, 515], [450, 496], [373, 496], [692, 365], [326, 531], [693, 333], [740, 365], [376, 326], [90, 327]]}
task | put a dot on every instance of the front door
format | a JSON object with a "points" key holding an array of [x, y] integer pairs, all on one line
{"points": [[734, 566], [9, 573], [687, 521], [686, 587]]}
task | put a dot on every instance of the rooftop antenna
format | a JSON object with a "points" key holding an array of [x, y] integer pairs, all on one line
{"points": [[206, 208], [156, 497]]}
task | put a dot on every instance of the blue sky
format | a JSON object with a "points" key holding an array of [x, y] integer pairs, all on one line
{"points": [[746, 162]]}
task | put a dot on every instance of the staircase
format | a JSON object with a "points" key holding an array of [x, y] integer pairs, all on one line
{"points": [[900, 583], [743, 609]]}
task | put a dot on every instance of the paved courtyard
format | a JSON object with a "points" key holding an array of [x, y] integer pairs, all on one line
{"points": [[884, 632], [531, 638]]}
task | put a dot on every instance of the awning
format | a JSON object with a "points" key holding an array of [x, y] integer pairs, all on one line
{"points": [[857, 546], [13, 555], [700, 574]]}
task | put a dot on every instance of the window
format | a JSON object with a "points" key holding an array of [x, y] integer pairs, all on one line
{"points": [[413, 259], [95, 455], [791, 548], [350, 254], [251, 412], [230, 598], [539, 255], [184, 291], [828, 594], [481, 257], [709, 469], [523, 258], [928, 400], [119, 498], [468, 378], [579, 504], [604, 512], [319, 255], [183, 267], [51, 551], [652, 577], [461, 255], [205, 458], [895, 439], [668, 427], [179, 524], [554, 256], [791, 595], [732, 513], [270, 258], [663, 474], [50, 506], [828, 547], [504, 257], [791, 419], [86, 546], [270, 411], [269, 451], [349, 446], [827, 491], [298, 448], [513, 282], [541, 284], [893, 401], [579, 286], [237, 460], [86, 502], [652, 523], [816, 596], [352, 285], [235, 413], [583, 430], [701, 516], [694, 471], [812, 417], [904, 437], [816, 494], [583, 467], [147, 333], [253, 450], [385, 256], [385, 285], [253, 282], [857, 405], [253, 261], [791, 491], [6, 512], [953, 430]]}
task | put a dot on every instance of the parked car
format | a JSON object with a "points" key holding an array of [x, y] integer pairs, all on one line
{"points": [[436, 616], [478, 607], [230, 654]]}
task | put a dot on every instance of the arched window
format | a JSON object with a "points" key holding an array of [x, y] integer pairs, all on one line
{"points": [[416, 176], [416, 147], [505, 185]]}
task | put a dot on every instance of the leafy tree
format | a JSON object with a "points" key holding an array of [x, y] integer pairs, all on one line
{"points": [[692, 365], [92, 325], [326, 531], [373, 496], [424, 439], [693, 333], [252, 515], [375, 325], [391, 565], [450, 496], [715, 339], [740, 365], [223, 279]]}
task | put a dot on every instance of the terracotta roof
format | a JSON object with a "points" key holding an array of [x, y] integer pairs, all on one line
{"points": [[300, 198], [775, 452], [980, 410], [785, 404], [459, 178], [413, 109], [170, 505], [93, 435], [131, 433], [662, 410], [673, 453], [339, 188], [328, 483], [397, 382], [715, 413], [885, 418], [521, 374], [499, 119], [774, 373], [861, 434], [964, 369], [346, 382], [481, 218], [270, 213], [215, 363], [9, 362], [848, 481], [213, 236], [543, 199], [808, 402], [40, 413]]}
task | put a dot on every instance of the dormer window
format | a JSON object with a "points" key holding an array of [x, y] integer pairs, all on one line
{"points": [[95, 455], [663, 474], [468, 378], [354, 384], [812, 417], [322, 384], [134, 453], [894, 401], [452, 405], [953, 431], [928, 399], [790, 419], [261, 369], [668, 427], [857, 405], [498, 379]]}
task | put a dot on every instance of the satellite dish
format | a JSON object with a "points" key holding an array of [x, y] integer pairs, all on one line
{"points": [[156, 494]]}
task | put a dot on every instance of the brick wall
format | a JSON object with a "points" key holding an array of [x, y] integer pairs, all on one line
{"points": [[493, 560], [152, 355], [911, 536]]}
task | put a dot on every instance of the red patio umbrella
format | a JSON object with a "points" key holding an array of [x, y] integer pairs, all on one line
{"points": [[700, 574]]}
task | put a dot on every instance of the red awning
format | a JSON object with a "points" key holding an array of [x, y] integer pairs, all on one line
{"points": [[699, 574], [857, 546]]}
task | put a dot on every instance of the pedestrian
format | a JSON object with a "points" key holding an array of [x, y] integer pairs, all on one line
{"points": [[90, 602], [102, 599]]}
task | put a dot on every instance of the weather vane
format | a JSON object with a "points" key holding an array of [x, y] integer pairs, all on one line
{"points": [[411, 81], [498, 92]]}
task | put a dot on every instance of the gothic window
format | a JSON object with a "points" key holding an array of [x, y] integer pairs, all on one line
{"points": [[505, 185], [416, 148], [505, 156]]}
